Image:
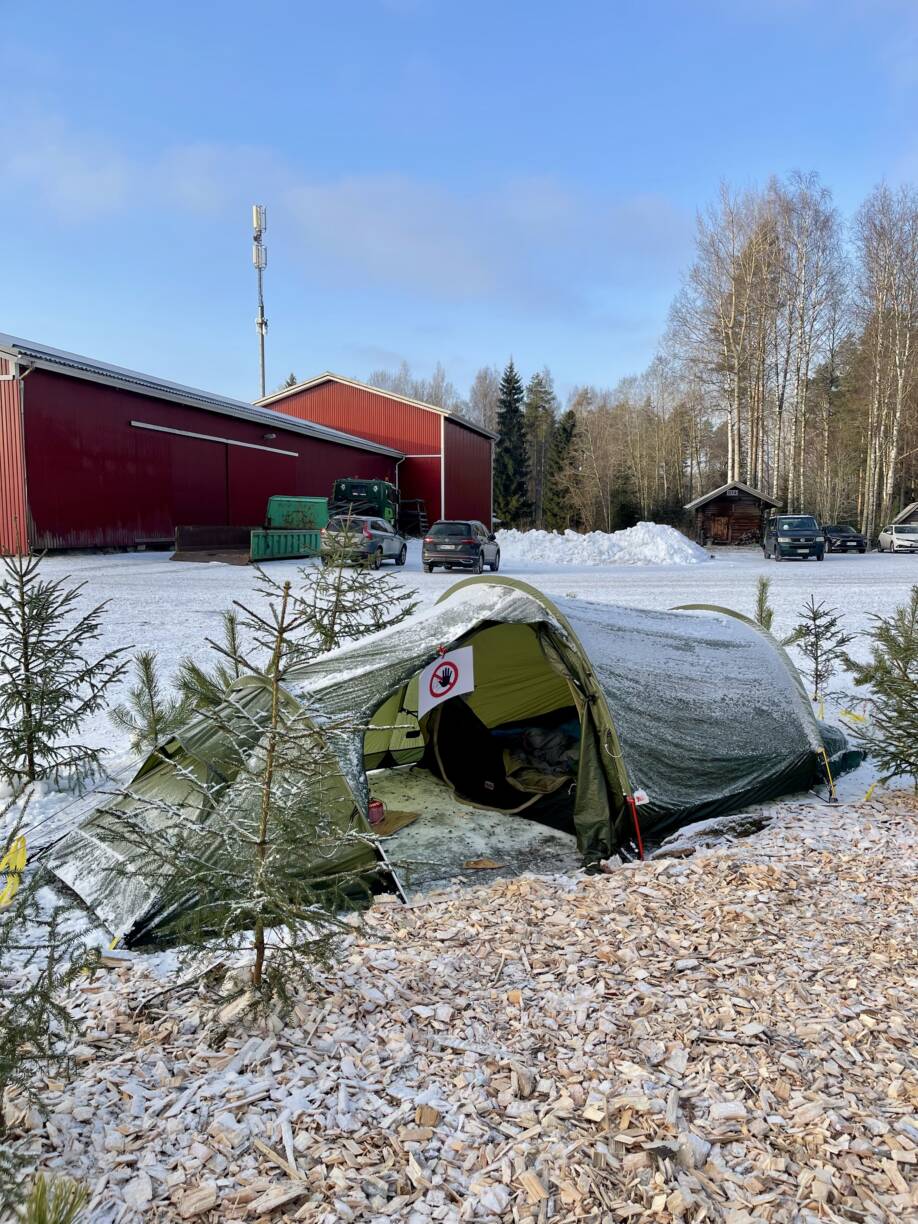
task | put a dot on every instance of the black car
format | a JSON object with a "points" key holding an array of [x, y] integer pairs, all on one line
{"points": [[460, 544], [841, 537], [794, 535]]}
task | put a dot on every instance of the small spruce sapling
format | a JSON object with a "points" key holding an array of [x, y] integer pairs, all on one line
{"points": [[891, 736], [149, 715], [42, 951], [822, 641], [51, 679]]}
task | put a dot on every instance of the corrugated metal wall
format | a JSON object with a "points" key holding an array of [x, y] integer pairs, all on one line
{"points": [[96, 481], [368, 414], [13, 536], [468, 473], [379, 418]]}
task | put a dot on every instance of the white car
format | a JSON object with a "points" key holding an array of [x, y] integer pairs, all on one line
{"points": [[900, 537]]}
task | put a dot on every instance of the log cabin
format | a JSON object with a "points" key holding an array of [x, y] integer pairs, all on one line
{"points": [[732, 514]]}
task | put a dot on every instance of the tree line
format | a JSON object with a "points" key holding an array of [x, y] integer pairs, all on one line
{"points": [[788, 362]]}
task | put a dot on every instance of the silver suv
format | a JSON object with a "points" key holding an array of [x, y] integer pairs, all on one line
{"points": [[363, 540], [460, 544]]}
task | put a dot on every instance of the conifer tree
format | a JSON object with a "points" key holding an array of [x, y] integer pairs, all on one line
{"points": [[149, 715], [263, 857], [764, 612], [539, 411], [511, 468], [891, 736], [822, 641], [48, 685], [60, 1201], [42, 952], [559, 511], [203, 688]]}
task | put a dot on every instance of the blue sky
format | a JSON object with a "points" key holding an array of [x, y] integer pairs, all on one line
{"points": [[454, 181]]}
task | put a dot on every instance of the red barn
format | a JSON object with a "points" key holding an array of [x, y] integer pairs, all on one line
{"points": [[92, 455], [447, 460]]}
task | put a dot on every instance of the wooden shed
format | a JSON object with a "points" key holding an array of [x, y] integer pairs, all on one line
{"points": [[908, 515], [732, 514]]}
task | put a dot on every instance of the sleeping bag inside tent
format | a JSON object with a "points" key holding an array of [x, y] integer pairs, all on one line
{"points": [[574, 708]]}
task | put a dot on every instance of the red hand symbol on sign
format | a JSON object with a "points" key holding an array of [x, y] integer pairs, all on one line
{"points": [[443, 679]]}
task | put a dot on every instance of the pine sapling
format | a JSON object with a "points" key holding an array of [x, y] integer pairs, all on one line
{"points": [[149, 716], [891, 736], [764, 612], [60, 1201], [204, 688], [822, 641], [51, 680]]}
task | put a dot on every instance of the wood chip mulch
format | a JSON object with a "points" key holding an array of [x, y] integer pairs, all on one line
{"points": [[729, 1036]]}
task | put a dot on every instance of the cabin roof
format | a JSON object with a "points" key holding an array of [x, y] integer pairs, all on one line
{"points": [[732, 484]]}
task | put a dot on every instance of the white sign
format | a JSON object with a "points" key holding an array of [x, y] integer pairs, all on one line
{"points": [[446, 677]]}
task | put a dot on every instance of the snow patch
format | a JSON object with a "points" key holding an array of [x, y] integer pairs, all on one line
{"points": [[645, 544]]}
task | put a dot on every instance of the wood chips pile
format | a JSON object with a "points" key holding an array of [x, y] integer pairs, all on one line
{"points": [[729, 1036]]}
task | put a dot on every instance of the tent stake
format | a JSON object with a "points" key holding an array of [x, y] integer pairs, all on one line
{"points": [[833, 794]]}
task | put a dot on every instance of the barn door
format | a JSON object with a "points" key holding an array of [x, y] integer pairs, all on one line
{"points": [[720, 529]]}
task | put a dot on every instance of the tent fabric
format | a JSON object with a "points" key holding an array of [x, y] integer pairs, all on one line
{"points": [[699, 709]]}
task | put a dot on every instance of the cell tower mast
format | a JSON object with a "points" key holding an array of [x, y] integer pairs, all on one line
{"points": [[260, 260]]}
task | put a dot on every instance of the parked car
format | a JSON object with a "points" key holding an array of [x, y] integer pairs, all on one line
{"points": [[794, 535], [461, 544], [364, 540], [899, 537], [841, 537]]}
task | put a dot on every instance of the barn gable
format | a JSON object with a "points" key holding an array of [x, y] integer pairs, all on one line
{"points": [[447, 462]]}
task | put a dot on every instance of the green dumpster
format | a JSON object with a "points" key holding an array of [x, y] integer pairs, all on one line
{"points": [[272, 545], [297, 513]]}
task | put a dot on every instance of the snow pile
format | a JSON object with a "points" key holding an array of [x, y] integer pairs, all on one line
{"points": [[645, 544]]}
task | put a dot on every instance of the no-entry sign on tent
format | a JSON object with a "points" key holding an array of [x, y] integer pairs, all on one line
{"points": [[448, 676]]}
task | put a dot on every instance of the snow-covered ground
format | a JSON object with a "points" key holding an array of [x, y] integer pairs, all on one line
{"points": [[169, 607]]}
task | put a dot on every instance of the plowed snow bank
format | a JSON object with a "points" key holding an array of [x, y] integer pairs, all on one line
{"points": [[645, 544]]}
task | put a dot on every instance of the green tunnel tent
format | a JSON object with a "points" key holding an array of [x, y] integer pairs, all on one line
{"points": [[699, 709]]}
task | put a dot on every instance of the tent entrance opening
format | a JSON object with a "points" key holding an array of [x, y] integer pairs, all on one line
{"points": [[492, 772]]}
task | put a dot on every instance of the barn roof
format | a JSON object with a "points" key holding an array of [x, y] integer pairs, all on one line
{"points": [[328, 376], [732, 484], [905, 514], [41, 356]]}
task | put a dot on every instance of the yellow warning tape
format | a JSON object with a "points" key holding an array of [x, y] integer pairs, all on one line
{"points": [[871, 789], [854, 717], [12, 865]]}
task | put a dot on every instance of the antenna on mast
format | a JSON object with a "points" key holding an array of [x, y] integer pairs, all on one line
{"points": [[260, 260]]}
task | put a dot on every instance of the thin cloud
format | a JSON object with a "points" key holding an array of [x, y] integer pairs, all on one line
{"points": [[533, 243]]}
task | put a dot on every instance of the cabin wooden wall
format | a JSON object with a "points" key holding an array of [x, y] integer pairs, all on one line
{"points": [[742, 515]]}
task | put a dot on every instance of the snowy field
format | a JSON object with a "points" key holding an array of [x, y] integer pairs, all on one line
{"points": [[170, 607]]}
